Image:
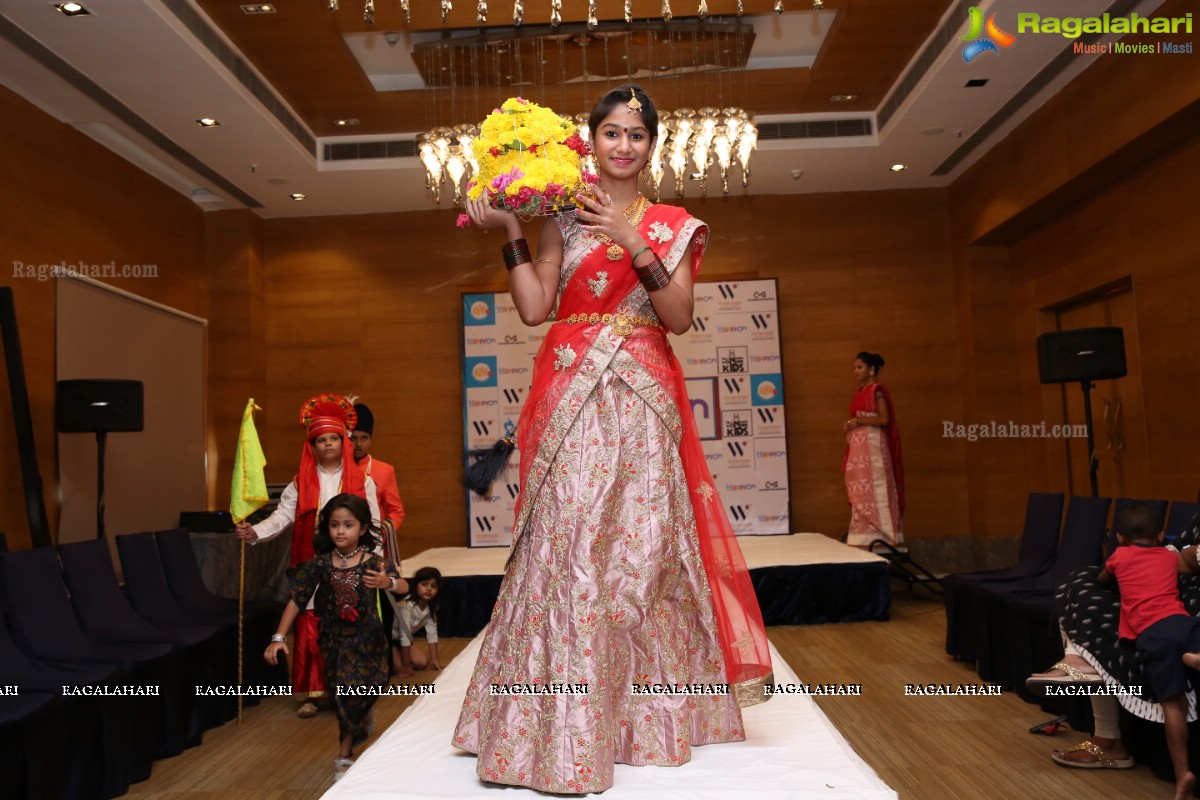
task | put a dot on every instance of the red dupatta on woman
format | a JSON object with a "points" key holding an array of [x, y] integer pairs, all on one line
{"points": [[606, 321]]}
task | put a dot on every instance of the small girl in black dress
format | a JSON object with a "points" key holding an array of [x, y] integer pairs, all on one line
{"points": [[343, 575]]}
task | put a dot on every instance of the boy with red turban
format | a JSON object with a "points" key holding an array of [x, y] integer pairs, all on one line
{"points": [[327, 469]]}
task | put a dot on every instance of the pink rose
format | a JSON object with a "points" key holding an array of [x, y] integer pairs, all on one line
{"points": [[463, 221], [501, 182]]}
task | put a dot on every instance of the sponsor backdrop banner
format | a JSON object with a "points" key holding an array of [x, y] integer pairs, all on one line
{"points": [[732, 362]]}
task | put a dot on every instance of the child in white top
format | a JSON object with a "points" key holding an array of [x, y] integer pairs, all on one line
{"points": [[416, 610]]}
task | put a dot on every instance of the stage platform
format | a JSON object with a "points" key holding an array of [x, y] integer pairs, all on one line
{"points": [[791, 751], [801, 578]]}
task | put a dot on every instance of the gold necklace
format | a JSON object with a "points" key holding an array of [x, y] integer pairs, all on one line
{"points": [[633, 215]]}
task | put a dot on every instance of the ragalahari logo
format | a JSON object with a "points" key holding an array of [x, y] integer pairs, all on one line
{"points": [[983, 38]]}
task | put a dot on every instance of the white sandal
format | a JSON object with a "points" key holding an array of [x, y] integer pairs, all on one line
{"points": [[340, 766]]}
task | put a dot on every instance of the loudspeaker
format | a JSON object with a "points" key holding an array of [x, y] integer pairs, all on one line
{"points": [[1084, 354], [99, 406]]}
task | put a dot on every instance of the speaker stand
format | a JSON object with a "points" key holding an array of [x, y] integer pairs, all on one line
{"points": [[1093, 465], [101, 436]]}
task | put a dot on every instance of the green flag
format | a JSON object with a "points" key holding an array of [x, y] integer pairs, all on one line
{"points": [[249, 491]]}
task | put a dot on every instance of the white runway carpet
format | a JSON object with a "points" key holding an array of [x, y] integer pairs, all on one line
{"points": [[792, 752]]}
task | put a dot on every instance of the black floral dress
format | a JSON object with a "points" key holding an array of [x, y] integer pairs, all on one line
{"points": [[1090, 613], [350, 635]]}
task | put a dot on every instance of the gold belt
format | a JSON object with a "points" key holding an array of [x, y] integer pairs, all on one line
{"points": [[623, 324]]}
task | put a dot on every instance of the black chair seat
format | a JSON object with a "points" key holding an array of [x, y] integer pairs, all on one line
{"points": [[962, 590]]}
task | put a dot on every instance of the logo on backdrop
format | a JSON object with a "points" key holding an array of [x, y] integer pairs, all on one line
{"points": [[984, 37], [479, 371], [479, 309]]}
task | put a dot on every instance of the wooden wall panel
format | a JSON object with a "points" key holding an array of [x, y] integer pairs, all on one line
{"points": [[369, 304], [64, 198], [237, 354], [1143, 228]]}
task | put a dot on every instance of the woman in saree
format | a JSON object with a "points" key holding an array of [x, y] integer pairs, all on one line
{"points": [[624, 573], [872, 465]]}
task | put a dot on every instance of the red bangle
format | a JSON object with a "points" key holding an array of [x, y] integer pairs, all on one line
{"points": [[653, 276], [515, 253]]}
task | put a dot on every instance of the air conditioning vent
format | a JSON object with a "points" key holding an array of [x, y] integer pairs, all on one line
{"points": [[816, 129], [382, 148]]}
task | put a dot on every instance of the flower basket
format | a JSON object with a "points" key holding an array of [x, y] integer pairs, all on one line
{"points": [[530, 160]]}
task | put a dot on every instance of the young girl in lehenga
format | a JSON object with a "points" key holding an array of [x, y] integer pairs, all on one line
{"points": [[624, 569], [343, 575]]}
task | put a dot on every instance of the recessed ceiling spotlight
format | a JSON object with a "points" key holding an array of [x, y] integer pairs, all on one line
{"points": [[297, 195], [208, 122], [258, 8], [72, 9], [933, 131], [843, 98], [898, 167], [345, 123]]}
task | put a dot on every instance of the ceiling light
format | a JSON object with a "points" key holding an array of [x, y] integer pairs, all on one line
{"points": [[297, 195], [258, 8], [72, 9], [975, 83], [343, 123], [898, 167], [207, 122], [933, 131], [843, 98]]}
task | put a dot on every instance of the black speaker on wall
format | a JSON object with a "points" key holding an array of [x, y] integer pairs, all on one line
{"points": [[99, 406], [1084, 354]]}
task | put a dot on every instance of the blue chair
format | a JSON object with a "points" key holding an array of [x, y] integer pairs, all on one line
{"points": [[146, 587], [1181, 519], [99, 726], [1039, 547], [149, 593], [106, 616], [183, 577], [32, 755], [1022, 622]]}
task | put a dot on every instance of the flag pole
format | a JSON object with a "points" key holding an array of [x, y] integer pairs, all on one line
{"points": [[248, 493], [241, 623]]}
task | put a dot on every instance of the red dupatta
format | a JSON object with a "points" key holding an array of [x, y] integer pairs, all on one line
{"points": [[865, 401], [571, 361]]}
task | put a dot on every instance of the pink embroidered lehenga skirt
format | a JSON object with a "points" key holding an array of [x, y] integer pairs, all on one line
{"points": [[605, 587]]}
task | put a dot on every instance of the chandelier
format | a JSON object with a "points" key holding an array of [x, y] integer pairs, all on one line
{"points": [[690, 144], [716, 141]]}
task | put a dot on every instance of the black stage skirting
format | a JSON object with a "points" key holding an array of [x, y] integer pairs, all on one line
{"points": [[789, 594]]}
